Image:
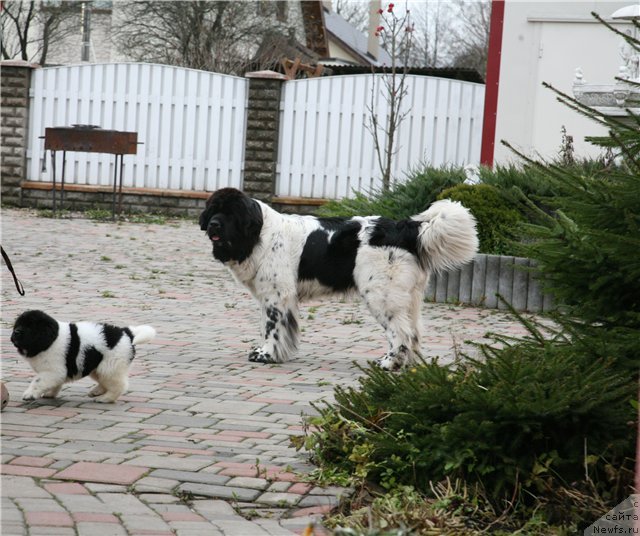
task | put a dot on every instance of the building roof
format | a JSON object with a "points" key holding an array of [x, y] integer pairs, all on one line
{"points": [[353, 39]]}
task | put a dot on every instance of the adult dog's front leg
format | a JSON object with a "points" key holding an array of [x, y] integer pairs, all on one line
{"points": [[279, 331]]}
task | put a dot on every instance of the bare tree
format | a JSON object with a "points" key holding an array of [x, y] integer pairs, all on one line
{"points": [[210, 35], [432, 22], [355, 12], [396, 32], [469, 36], [29, 28]]}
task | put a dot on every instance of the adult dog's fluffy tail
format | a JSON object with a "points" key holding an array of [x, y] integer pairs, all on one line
{"points": [[142, 334], [447, 236]]}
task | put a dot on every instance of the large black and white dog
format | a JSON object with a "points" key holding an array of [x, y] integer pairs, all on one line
{"points": [[283, 259], [61, 352]]}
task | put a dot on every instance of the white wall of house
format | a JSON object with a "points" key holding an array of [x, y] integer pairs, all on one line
{"points": [[545, 42]]}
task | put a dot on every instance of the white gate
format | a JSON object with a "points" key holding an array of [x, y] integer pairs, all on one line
{"points": [[326, 151], [190, 123]]}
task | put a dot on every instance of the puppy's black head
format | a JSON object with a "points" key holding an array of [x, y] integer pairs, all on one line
{"points": [[34, 332], [233, 223]]}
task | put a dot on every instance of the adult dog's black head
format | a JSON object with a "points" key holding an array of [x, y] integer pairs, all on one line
{"points": [[33, 332], [233, 223]]}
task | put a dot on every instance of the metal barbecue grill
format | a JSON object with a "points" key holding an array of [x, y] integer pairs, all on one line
{"points": [[90, 139]]}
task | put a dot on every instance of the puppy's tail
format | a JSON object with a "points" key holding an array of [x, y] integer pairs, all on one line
{"points": [[142, 334], [447, 238]]}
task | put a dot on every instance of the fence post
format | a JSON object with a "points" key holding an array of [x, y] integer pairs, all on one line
{"points": [[261, 142], [14, 100]]}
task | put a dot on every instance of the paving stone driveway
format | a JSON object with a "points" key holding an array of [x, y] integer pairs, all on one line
{"points": [[200, 443]]}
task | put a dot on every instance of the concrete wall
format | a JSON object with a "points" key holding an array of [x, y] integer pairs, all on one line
{"points": [[545, 42], [487, 276]]}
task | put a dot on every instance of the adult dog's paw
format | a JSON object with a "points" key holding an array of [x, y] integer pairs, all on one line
{"points": [[389, 362], [258, 355], [394, 360]]}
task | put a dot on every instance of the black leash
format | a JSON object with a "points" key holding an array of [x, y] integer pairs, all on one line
{"points": [[13, 273]]}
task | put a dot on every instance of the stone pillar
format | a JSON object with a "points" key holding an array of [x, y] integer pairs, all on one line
{"points": [[261, 142], [14, 100]]}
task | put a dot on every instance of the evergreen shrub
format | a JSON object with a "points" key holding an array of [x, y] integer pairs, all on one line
{"points": [[496, 216], [530, 416], [403, 199]]}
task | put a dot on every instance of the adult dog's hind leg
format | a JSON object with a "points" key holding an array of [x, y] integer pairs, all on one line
{"points": [[391, 284], [415, 313], [279, 330]]}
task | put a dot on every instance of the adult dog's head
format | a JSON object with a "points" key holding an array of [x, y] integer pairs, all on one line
{"points": [[33, 332], [233, 223]]}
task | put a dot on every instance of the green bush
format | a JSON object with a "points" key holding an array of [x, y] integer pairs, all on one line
{"points": [[523, 195], [403, 200], [496, 216], [525, 419]]}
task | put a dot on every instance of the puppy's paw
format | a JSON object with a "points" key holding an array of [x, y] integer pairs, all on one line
{"points": [[258, 355], [29, 395], [106, 399], [97, 391]]}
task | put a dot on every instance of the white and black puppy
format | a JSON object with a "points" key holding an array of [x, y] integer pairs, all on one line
{"points": [[61, 352], [283, 258]]}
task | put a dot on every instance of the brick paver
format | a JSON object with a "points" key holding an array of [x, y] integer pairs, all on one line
{"points": [[202, 436]]}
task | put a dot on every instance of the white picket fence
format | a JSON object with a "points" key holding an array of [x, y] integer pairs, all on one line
{"points": [[327, 151], [191, 123]]}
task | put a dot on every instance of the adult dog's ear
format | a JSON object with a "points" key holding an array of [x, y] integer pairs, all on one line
{"points": [[254, 220], [206, 214]]}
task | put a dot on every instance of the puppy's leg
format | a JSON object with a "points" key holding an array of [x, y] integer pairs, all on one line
{"points": [[43, 385], [112, 381], [279, 331], [98, 389], [114, 389], [52, 393]]}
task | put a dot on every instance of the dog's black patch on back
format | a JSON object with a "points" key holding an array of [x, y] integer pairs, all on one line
{"points": [[73, 349], [92, 358], [400, 234], [335, 223], [33, 332], [331, 260], [112, 335], [129, 334]]}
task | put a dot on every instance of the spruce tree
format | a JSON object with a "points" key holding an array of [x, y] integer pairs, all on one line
{"points": [[588, 249]]}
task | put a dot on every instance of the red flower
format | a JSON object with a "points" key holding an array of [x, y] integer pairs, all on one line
{"points": [[380, 29], [390, 8], [380, 11]]}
